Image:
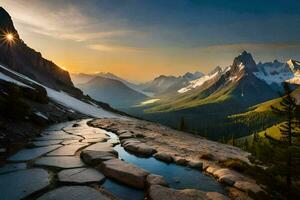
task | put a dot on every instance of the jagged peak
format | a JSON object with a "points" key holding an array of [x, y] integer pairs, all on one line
{"points": [[246, 60], [6, 23], [215, 70]]}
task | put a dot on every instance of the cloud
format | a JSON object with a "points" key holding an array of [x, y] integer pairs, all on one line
{"points": [[67, 22], [251, 46], [114, 48]]}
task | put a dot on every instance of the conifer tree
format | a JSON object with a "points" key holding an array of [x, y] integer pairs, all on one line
{"points": [[288, 129]]}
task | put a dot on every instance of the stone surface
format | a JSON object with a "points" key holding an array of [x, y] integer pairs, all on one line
{"points": [[196, 164], [139, 148], [163, 156], [154, 179], [58, 136], [157, 192], [125, 135], [67, 150], [93, 140], [80, 176], [180, 160], [29, 154], [247, 186], [101, 146], [60, 162], [65, 142], [74, 193], [124, 172], [17, 185], [46, 143], [12, 167], [216, 196], [94, 158], [212, 169]]}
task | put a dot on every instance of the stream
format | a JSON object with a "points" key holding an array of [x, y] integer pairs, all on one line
{"points": [[178, 177]]}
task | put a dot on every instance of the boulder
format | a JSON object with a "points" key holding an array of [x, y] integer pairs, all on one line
{"points": [[94, 158], [154, 179], [163, 156], [124, 172], [138, 148], [212, 169], [158, 192], [196, 164], [180, 160], [125, 136]]}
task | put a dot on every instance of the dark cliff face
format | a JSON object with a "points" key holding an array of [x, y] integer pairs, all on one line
{"points": [[21, 58]]}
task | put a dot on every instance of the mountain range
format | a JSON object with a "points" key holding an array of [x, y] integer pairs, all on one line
{"points": [[221, 93], [115, 92]]}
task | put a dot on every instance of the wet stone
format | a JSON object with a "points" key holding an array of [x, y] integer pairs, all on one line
{"points": [[124, 172], [17, 185], [80, 176], [94, 158], [74, 193], [46, 143], [93, 140], [163, 156], [12, 167], [29, 154], [104, 147], [154, 179], [65, 142], [58, 136], [67, 150], [60, 162]]}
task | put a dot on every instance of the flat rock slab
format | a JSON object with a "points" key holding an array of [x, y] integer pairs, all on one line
{"points": [[95, 136], [17, 185], [93, 140], [80, 176], [60, 162], [157, 192], [29, 154], [65, 142], [67, 150], [58, 136], [124, 172], [12, 167], [46, 143], [74, 193], [138, 148], [94, 158], [102, 146]]}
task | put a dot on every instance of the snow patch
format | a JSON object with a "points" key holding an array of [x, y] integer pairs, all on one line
{"points": [[149, 101], [67, 100], [198, 82], [8, 79]]}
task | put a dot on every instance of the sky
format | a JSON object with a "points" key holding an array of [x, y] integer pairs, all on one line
{"points": [[141, 39]]}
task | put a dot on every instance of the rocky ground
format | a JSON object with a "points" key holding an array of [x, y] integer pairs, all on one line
{"points": [[72, 160], [168, 145]]}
